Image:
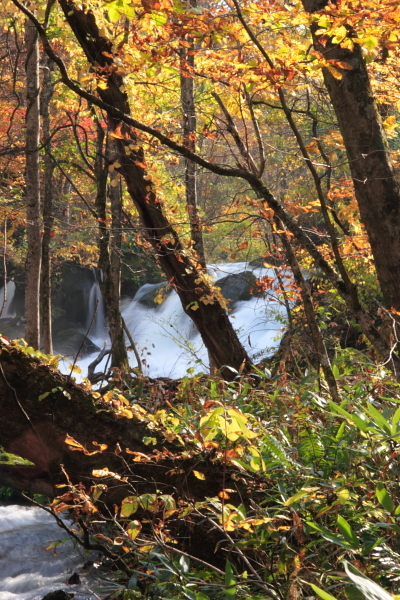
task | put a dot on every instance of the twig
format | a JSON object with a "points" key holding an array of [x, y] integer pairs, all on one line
{"points": [[91, 375], [5, 267], [85, 543], [133, 345]]}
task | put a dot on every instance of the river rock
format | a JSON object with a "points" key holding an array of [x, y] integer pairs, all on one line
{"points": [[148, 292], [58, 595], [237, 286], [69, 341]]}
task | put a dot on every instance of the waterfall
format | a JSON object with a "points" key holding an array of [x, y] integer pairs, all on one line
{"points": [[166, 338], [8, 312], [168, 342], [98, 331]]}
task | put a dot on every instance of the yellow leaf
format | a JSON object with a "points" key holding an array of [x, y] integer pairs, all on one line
{"points": [[199, 475], [122, 399], [337, 74], [133, 529], [159, 299], [102, 84]]}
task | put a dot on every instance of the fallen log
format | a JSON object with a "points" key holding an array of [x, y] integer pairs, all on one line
{"points": [[40, 408], [46, 416]]}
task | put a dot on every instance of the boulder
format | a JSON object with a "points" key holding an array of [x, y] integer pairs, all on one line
{"points": [[69, 341], [58, 595], [148, 292], [237, 286]]}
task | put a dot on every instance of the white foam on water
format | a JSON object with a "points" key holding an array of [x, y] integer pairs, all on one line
{"points": [[27, 571], [7, 312], [167, 340]]}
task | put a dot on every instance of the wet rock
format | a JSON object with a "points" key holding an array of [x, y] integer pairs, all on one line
{"points": [[69, 341], [150, 291], [237, 286], [58, 595]]}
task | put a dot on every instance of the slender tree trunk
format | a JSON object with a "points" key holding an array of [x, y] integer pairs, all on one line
{"points": [[189, 140], [318, 340], [189, 122], [200, 300], [376, 186], [109, 254], [45, 99], [112, 291], [33, 222]]}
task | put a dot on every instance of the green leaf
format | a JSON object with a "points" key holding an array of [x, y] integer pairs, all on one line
{"points": [[230, 582], [321, 593], [298, 496], [379, 419], [327, 535], [340, 431], [384, 498], [347, 532], [362, 425], [149, 502], [132, 583], [133, 529], [158, 18], [169, 502], [395, 420], [129, 505], [369, 547], [370, 589]]}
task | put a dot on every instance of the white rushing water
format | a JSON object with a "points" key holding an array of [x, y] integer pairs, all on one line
{"points": [[166, 338], [27, 570], [5, 307]]}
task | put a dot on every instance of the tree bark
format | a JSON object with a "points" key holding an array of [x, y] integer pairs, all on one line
{"points": [[376, 186], [32, 178], [199, 300], [36, 430], [109, 253], [48, 218], [318, 340], [189, 140]]}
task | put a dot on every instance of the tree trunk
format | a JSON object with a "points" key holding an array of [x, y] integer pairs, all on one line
{"points": [[109, 257], [376, 186], [318, 340], [200, 300], [32, 178], [189, 140], [115, 322], [48, 219], [36, 430]]}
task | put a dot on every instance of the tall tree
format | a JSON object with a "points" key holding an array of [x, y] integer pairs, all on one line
{"points": [[375, 182], [110, 247], [32, 177], [187, 81], [48, 218]]}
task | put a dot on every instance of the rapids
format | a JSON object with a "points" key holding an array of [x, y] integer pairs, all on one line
{"points": [[168, 343], [27, 570]]}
